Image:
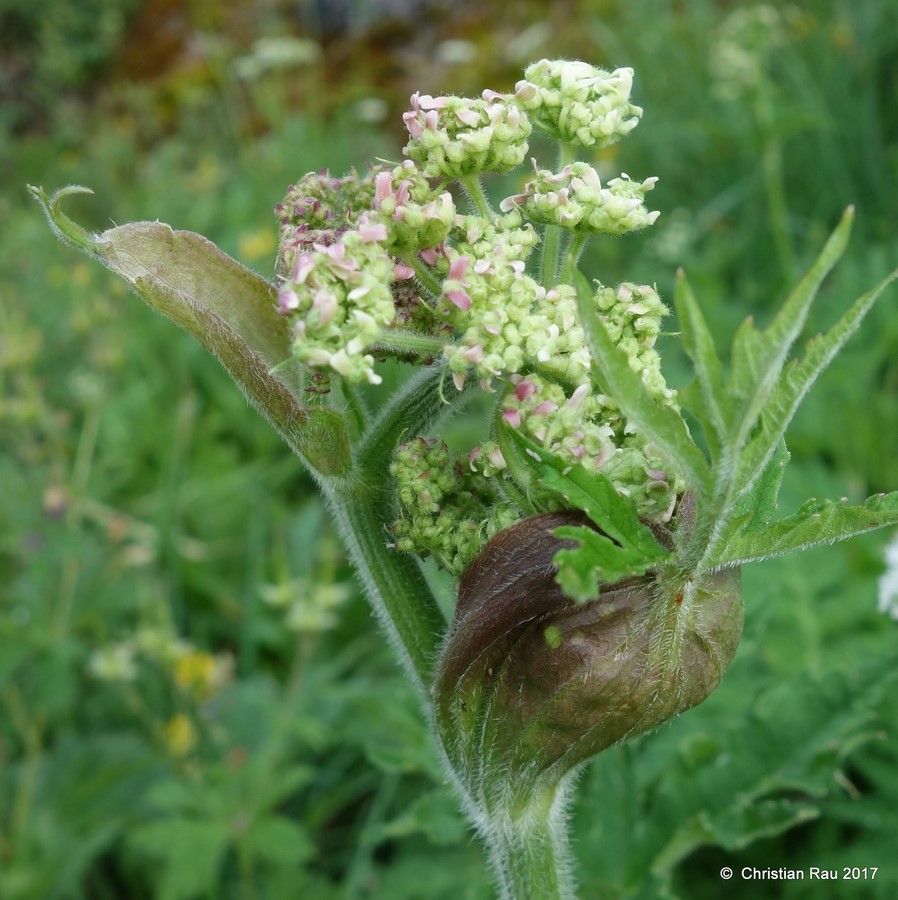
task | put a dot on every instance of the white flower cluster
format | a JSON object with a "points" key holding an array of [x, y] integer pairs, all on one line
{"points": [[339, 299], [739, 51], [454, 137], [575, 198], [578, 103], [888, 582]]}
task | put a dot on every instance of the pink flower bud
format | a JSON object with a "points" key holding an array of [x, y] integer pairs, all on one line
{"points": [[497, 459], [402, 272], [326, 304], [525, 389], [512, 417], [429, 255], [577, 397]]}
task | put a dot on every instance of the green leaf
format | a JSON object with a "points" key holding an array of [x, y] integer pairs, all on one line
{"points": [[190, 853], [278, 841], [229, 309], [797, 379], [622, 547], [435, 814], [699, 345], [763, 498], [814, 524], [661, 425], [733, 828], [758, 357]]}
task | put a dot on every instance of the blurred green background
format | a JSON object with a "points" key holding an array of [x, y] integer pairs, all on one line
{"points": [[194, 700]]}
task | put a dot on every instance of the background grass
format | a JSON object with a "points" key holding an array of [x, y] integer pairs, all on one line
{"points": [[196, 702]]}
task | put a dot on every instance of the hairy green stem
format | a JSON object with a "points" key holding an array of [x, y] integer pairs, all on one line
{"points": [[574, 249], [414, 409], [548, 265], [425, 275], [475, 193], [551, 244], [396, 588], [529, 853], [396, 342]]}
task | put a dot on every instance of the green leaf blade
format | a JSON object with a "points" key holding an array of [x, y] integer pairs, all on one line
{"points": [[699, 345], [229, 309], [797, 380], [758, 357], [621, 547], [661, 425], [815, 524]]}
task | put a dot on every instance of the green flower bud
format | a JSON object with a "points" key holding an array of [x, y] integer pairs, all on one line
{"points": [[448, 510], [531, 684], [578, 103]]}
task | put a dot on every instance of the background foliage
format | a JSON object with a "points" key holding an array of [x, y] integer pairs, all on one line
{"points": [[195, 702]]}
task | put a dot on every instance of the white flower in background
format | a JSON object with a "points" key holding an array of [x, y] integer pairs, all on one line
{"points": [[888, 582], [114, 662]]}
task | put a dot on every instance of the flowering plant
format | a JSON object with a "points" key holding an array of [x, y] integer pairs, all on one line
{"points": [[597, 544]]}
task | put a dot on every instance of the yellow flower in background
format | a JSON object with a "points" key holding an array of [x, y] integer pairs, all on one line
{"points": [[180, 735], [202, 674], [257, 245]]}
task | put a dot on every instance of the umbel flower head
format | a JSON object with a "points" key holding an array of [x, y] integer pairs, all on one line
{"points": [[577, 103], [455, 137], [339, 299], [575, 199]]}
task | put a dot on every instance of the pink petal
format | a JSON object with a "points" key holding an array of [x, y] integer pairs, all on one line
{"points": [[370, 234], [383, 187], [459, 267], [512, 416], [460, 299], [301, 268], [413, 125], [287, 301], [544, 408]]}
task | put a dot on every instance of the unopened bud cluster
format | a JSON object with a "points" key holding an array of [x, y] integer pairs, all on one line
{"points": [[449, 510]]}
